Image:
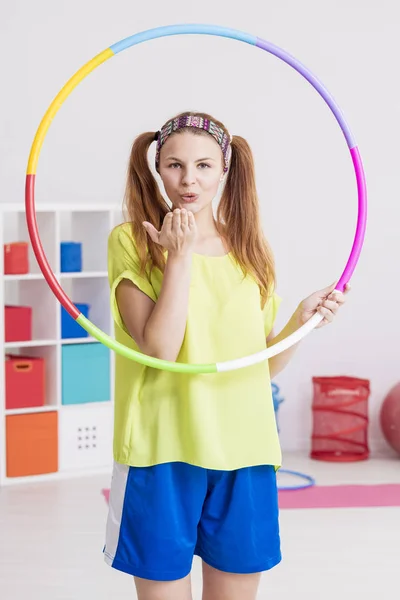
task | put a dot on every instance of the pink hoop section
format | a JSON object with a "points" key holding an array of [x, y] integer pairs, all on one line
{"points": [[361, 220], [39, 252]]}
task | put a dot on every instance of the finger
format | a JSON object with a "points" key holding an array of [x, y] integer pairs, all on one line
{"points": [[152, 231], [184, 219], [337, 297], [167, 223], [331, 305], [328, 290], [326, 313], [191, 221], [340, 294], [176, 221]]}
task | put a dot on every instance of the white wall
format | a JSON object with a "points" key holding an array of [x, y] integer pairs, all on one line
{"points": [[305, 176]]}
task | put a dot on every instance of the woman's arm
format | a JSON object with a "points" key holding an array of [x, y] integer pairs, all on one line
{"points": [[158, 328], [278, 362], [326, 302]]}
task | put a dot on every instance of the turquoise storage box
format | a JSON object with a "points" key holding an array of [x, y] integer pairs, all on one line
{"points": [[85, 373]]}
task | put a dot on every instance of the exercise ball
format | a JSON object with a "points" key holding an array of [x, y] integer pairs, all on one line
{"points": [[390, 418]]}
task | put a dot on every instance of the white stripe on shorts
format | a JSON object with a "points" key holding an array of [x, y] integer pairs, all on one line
{"points": [[116, 505]]}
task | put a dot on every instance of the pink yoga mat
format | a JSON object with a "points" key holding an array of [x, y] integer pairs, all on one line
{"points": [[341, 496], [336, 496]]}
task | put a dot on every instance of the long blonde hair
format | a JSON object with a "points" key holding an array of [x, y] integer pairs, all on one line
{"points": [[237, 216]]}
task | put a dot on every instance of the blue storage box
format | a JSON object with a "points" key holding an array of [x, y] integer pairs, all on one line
{"points": [[85, 373], [71, 257], [69, 327]]}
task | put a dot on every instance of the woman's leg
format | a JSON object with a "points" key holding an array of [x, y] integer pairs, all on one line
{"points": [[238, 534], [179, 589], [218, 585]]}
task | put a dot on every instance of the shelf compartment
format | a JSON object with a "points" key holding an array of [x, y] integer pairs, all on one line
{"points": [[94, 292], [86, 437], [37, 295], [15, 230], [91, 229]]}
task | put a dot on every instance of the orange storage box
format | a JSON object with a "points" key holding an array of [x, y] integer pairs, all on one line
{"points": [[25, 381], [32, 444], [16, 261]]}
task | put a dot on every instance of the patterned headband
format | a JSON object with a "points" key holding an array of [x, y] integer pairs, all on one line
{"points": [[218, 134]]}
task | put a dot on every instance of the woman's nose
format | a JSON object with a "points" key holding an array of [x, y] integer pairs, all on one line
{"points": [[188, 177]]}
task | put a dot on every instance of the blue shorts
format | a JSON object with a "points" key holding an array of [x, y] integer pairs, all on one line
{"points": [[160, 516]]}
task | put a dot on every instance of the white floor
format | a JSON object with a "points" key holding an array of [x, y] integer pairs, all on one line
{"points": [[51, 540]]}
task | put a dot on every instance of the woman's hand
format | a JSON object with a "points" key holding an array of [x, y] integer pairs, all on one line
{"points": [[178, 232], [326, 302]]}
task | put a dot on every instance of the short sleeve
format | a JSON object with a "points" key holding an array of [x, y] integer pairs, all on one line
{"points": [[124, 263], [270, 311]]}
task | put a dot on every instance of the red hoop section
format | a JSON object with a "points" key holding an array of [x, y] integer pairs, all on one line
{"points": [[39, 252]]}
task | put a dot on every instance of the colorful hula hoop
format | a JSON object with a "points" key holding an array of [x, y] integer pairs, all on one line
{"points": [[90, 327]]}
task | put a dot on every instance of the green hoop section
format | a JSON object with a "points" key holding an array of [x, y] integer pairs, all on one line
{"points": [[144, 359]]}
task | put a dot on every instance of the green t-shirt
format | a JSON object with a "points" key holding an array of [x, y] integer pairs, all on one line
{"points": [[219, 421]]}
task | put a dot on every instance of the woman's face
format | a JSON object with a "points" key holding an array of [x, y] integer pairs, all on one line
{"points": [[191, 169]]}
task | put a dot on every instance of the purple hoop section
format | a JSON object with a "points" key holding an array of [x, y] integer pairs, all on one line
{"points": [[302, 69], [355, 155]]}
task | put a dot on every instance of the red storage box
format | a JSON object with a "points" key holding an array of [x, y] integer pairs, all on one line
{"points": [[16, 260], [25, 381], [18, 323]]}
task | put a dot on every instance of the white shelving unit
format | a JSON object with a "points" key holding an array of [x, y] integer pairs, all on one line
{"points": [[84, 430]]}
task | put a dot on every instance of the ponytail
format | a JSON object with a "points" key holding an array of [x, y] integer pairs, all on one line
{"points": [[143, 202], [238, 212]]}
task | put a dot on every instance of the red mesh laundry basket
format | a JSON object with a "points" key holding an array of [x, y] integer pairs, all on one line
{"points": [[340, 419]]}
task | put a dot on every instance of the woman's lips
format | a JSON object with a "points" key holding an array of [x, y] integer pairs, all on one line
{"points": [[190, 198]]}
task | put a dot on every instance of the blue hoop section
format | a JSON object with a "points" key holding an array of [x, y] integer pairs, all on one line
{"points": [[309, 481], [157, 32], [241, 36]]}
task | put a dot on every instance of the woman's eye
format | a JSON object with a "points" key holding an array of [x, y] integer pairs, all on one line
{"points": [[202, 165]]}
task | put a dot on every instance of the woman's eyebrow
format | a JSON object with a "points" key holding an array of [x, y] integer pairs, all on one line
{"points": [[179, 160]]}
